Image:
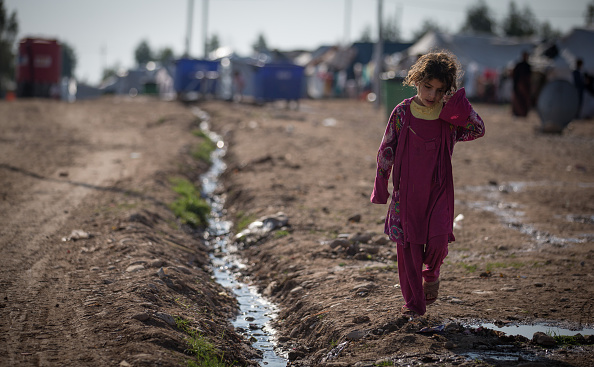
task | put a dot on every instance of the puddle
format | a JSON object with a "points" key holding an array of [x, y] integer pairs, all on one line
{"points": [[255, 312], [512, 215], [511, 353], [529, 330]]}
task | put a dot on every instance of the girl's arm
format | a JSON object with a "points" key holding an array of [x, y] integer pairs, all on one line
{"points": [[459, 113], [385, 157]]}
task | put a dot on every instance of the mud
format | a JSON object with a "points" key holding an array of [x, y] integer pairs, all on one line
{"points": [[131, 292]]}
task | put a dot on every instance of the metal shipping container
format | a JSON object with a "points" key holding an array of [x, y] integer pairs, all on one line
{"points": [[39, 68]]}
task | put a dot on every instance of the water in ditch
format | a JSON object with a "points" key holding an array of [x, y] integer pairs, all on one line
{"points": [[255, 312]]}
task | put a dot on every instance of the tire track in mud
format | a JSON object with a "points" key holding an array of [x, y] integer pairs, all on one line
{"points": [[33, 281]]}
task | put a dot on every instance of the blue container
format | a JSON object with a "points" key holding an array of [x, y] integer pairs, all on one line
{"points": [[193, 75], [278, 81]]}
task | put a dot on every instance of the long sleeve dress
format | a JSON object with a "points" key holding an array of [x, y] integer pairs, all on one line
{"points": [[418, 154]]}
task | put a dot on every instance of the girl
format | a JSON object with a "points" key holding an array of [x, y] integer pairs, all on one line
{"points": [[417, 149]]}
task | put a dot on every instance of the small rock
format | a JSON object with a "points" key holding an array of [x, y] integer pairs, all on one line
{"points": [[339, 242], [355, 218], [360, 319], [356, 334], [166, 317], [157, 263], [455, 300], [539, 285], [143, 316], [125, 364], [543, 339], [269, 291], [361, 237], [134, 268], [449, 345], [508, 289]]}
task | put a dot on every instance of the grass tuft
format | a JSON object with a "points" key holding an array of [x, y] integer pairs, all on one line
{"points": [[189, 207]]}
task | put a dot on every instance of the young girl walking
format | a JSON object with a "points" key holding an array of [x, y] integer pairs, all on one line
{"points": [[416, 149]]}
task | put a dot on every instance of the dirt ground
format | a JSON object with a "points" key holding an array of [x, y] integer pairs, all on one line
{"points": [[133, 285]]}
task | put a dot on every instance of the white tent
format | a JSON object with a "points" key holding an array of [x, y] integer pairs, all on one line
{"points": [[477, 54]]}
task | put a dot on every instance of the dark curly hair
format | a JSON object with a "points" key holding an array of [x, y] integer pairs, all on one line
{"points": [[440, 65]]}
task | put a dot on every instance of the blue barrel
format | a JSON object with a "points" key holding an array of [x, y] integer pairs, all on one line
{"points": [[277, 81]]}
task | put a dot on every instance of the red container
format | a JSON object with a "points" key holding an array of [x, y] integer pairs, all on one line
{"points": [[39, 66]]}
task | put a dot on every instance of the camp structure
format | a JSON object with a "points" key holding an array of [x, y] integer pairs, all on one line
{"points": [[485, 59]]}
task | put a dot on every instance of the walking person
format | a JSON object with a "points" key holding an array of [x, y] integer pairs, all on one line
{"points": [[416, 149], [522, 97]]}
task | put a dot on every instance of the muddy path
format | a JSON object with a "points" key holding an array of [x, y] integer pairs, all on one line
{"points": [[523, 253], [96, 270]]}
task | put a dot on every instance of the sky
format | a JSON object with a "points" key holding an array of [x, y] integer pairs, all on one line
{"points": [[105, 33]]}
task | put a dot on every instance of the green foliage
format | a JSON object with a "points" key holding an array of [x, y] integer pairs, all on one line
{"points": [[206, 354], [143, 53], [495, 265], [203, 150], [471, 268], [281, 233], [260, 45], [519, 24], [189, 207], [479, 19], [9, 28], [213, 43], [69, 60], [243, 220]]}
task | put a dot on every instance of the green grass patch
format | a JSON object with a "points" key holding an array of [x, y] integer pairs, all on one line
{"points": [[471, 268], [206, 354], [498, 265], [243, 220], [189, 207], [281, 233], [203, 149]]}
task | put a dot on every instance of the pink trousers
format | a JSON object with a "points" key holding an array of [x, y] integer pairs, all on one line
{"points": [[411, 272]]}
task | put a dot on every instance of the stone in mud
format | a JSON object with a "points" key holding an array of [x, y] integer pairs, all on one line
{"points": [[361, 237], [339, 242], [165, 317], [134, 268], [270, 289], [143, 316], [356, 335], [360, 319], [355, 218], [543, 339]]}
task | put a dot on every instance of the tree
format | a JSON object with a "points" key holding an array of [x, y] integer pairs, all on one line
{"points": [[590, 14], [213, 44], [427, 26], [260, 45], [143, 53], [519, 24], [366, 35], [547, 32], [69, 60], [390, 30], [165, 55], [479, 19], [8, 30]]}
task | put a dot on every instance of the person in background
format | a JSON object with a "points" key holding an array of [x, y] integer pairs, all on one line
{"points": [[578, 81], [417, 149], [522, 99]]}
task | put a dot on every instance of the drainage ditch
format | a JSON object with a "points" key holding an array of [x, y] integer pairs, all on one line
{"points": [[255, 312]]}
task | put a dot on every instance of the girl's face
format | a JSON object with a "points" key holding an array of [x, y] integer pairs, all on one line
{"points": [[430, 92]]}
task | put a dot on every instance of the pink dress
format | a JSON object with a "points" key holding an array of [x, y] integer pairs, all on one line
{"points": [[418, 154]]}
